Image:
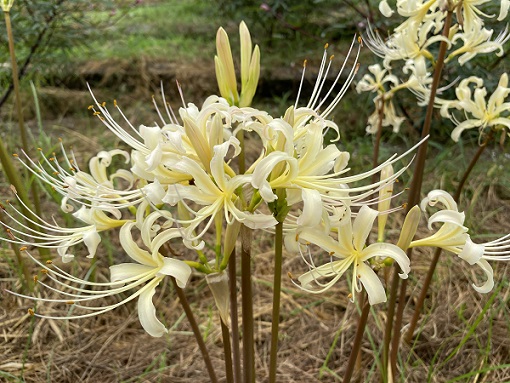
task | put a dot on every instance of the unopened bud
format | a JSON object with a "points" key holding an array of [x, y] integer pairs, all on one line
{"points": [[409, 228]]}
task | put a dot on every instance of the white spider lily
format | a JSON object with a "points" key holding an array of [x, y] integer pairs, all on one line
{"points": [[452, 234], [481, 113], [216, 194], [480, 253], [53, 236], [477, 40], [225, 72], [93, 190], [146, 272], [349, 250]]}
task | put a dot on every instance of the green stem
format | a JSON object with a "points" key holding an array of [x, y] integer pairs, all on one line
{"points": [[247, 307], [196, 331], [357, 342], [23, 132], [277, 286], [415, 189], [428, 278], [234, 320], [228, 352]]}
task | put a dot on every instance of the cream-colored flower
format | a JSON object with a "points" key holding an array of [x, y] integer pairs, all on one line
{"points": [[225, 72], [480, 113], [350, 250], [146, 272]]}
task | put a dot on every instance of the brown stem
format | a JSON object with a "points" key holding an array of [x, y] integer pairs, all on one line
{"points": [[377, 144], [389, 325], [228, 352], [357, 343], [428, 278], [234, 320], [277, 286], [247, 307], [415, 189], [196, 331]]}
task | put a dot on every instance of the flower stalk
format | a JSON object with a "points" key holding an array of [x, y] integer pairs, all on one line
{"points": [[196, 331], [433, 264], [414, 192], [277, 286], [247, 306], [358, 338]]}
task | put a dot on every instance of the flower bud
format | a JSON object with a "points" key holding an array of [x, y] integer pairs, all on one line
{"points": [[384, 202], [409, 228]]}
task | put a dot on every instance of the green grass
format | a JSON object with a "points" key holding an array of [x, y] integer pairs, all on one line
{"points": [[171, 29]]}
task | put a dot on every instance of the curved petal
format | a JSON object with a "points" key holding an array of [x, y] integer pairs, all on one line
{"points": [[147, 311], [132, 249], [468, 124], [177, 269], [371, 283], [438, 195], [127, 271], [388, 250], [447, 216], [91, 239], [489, 284], [312, 208], [319, 238], [362, 226]]}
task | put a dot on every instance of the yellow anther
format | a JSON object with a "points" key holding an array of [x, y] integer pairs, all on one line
{"points": [[56, 173], [307, 243], [115, 103], [326, 46], [51, 158], [331, 57], [349, 296], [103, 104], [35, 279], [72, 169], [359, 276], [70, 303], [40, 149], [331, 253], [304, 63], [289, 274], [44, 271], [49, 262], [15, 155], [90, 107], [101, 118], [97, 113], [31, 312], [23, 248], [360, 40], [404, 205]]}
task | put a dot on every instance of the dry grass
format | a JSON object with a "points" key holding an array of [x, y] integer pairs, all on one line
{"points": [[114, 348]]}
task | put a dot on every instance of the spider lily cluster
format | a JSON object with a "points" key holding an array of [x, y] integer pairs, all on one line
{"points": [[409, 50], [181, 192]]}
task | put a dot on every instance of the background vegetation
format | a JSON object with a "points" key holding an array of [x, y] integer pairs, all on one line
{"points": [[125, 50]]}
